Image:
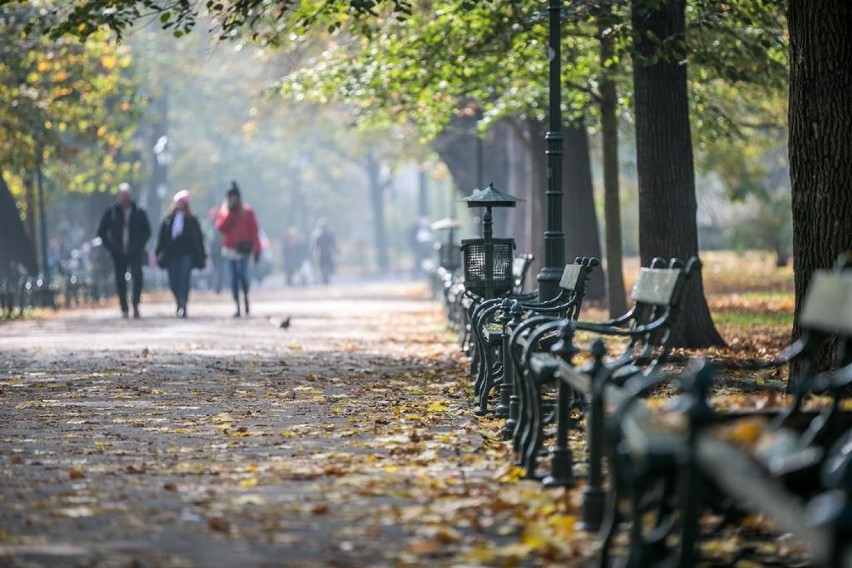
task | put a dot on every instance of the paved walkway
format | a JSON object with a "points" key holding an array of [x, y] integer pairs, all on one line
{"points": [[346, 439]]}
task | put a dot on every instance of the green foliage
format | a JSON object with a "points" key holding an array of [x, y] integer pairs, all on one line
{"points": [[260, 17], [66, 105], [486, 59], [294, 160], [738, 68]]}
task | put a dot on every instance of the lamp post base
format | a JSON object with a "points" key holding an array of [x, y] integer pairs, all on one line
{"points": [[548, 282], [561, 468]]}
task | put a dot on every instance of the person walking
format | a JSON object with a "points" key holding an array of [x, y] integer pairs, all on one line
{"points": [[180, 248], [240, 240], [323, 248], [295, 252], [124, 230]]}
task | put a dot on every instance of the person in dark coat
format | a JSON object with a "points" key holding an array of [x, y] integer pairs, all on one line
{"points": [[323, 249], [180, 248], [295, 251], [124, 230]]}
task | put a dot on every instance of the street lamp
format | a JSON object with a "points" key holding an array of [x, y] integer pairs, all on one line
{"points": [[488, 261], [554, 238]]}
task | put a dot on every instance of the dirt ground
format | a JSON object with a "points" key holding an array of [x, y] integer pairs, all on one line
{"points": [[345, 439]]}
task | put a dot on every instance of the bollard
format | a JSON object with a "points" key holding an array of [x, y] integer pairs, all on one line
{"points": [[506, 380], [561, 457], [594, 496], [517, 313]]}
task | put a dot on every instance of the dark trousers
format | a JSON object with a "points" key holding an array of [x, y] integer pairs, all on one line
{"points": [[239, 277], [180, 269], [122, 265]]}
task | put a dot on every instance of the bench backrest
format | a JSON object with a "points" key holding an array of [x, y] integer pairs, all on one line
{"points": [[656, 286], [828, 303], [520, 267], [658, 297], [573, 282], [573, 276]]}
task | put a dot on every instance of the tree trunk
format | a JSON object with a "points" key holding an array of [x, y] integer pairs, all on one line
{"points": [[457, 146], [612, 198], [377, 201], [537, 203], [15, 246], [667, 205], [518, 184], [30, 213], [582, 234], [820, 143]]}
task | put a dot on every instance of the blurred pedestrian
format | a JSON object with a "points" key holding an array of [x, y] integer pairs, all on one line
{"points": [[240, 240], [323, 249], [180, 248], [124, 230], [295, 252]]}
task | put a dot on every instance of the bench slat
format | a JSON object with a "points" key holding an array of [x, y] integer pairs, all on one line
{"points": [[656, 285], [571, 276], [742, 479], [828, 303]]}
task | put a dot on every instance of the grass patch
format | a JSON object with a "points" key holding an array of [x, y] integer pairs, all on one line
{"points": [[742, 318]]}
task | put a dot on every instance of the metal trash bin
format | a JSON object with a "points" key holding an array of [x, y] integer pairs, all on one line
{"points": [[477, 279]]}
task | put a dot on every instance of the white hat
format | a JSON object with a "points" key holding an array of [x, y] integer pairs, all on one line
{"points": [[182, 195]]}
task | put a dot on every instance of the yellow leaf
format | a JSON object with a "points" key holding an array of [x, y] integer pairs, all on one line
{"points": [[563, 526], [438, 406], [533, 539], [509, 473], [250, 482], [108, 61]]}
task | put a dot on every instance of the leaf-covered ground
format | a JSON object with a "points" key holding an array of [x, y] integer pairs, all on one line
{"points": [[347, 439]]}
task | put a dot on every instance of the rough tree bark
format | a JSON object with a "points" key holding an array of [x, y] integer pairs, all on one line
{"points": [[538, 185], [820, 143], [15, 245], [612, 199], [667, 205]]}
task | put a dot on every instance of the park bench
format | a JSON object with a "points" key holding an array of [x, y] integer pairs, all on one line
{"points": [[647, 326], [801, 475], [520, 269], [493, 321], [666, 465]]}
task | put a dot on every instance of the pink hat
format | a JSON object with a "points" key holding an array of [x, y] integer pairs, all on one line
{"points": [[182, 195]]}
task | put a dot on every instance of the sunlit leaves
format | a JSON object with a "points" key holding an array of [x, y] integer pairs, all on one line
{"points": [[63, 100]]}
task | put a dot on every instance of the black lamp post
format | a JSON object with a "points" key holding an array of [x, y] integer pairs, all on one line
{"points": [[554, 238], [488, 261]]}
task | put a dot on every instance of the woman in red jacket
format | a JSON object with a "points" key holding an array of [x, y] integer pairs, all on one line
{"points": [[238, 225]]}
